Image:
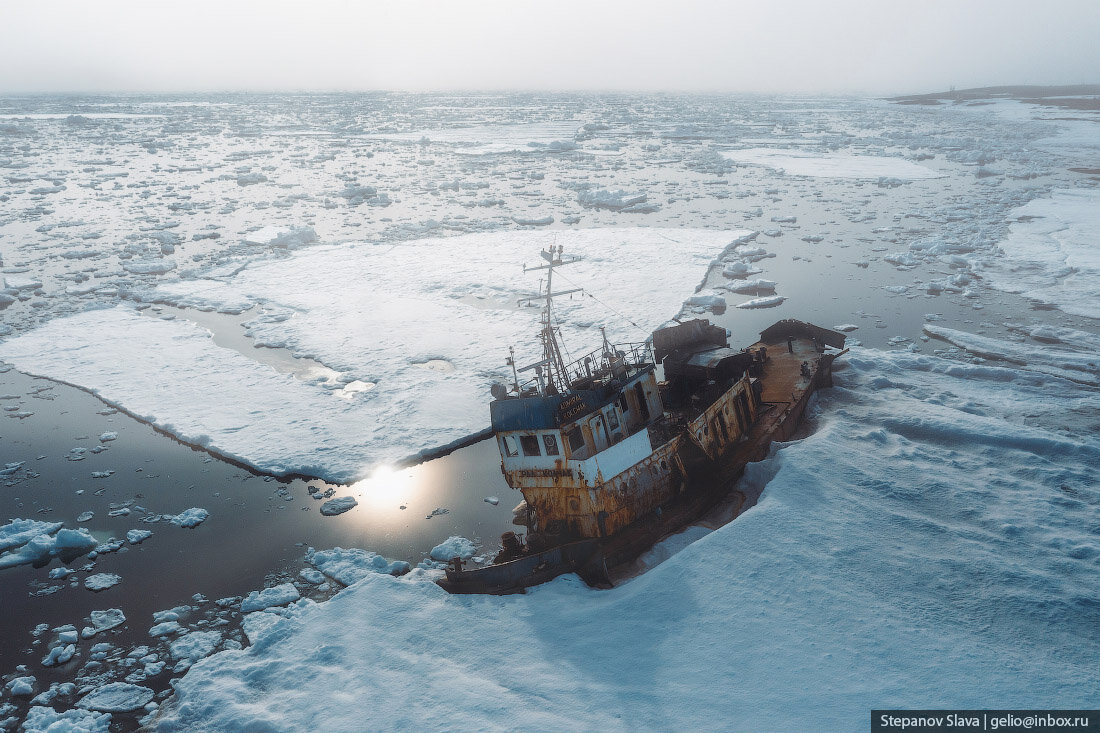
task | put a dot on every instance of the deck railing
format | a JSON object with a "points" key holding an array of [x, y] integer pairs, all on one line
{"points": [[600, 363]]}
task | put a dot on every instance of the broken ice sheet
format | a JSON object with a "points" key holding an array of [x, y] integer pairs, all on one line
{"points": [[372, 312]]}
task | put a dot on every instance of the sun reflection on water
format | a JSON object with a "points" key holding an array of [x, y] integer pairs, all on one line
{"points": [[387, 489]]}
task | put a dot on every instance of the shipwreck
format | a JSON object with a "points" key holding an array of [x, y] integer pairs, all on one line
{"points": [[632, 442]]}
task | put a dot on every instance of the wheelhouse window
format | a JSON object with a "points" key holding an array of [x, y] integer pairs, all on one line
{"points": [[550, 443], [530, 445], [575, 438], [612, 419], [510, 447]]}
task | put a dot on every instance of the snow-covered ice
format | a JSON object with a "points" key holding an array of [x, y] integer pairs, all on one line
{"points": [[1079, 364], [976, 468], [311, 576], [984, 596], [371, 313]]}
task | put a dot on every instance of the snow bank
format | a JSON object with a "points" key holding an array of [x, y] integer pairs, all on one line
{"points": [[373, 314], [944, 559]]}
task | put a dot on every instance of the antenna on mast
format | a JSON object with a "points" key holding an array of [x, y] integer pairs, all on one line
{"points": [[556, 376]]}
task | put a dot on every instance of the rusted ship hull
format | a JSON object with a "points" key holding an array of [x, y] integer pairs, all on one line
{"points": [[683, 478]]}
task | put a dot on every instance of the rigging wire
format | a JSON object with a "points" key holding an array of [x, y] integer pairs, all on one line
{"points": [[605, 305]]}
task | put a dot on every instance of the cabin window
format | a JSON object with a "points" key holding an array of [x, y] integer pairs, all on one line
{"points": [[575, 438], [510, 447], [551, 444], [530, 444], [612, 419], [622, 402]]}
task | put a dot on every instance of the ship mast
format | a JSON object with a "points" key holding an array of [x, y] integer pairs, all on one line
{"points": [[551, 350]]}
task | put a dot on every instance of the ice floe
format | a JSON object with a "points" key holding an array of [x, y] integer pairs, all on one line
{"points": [[137, 536], [195, 645], [339, 505], [101, 581], [116, 697], [767, 301], [19, 532], [191, 518], [352, 565], [453, 547], [753, 287], [833, 165], [279, 595], [101, 621], [42, 719], [372, 314], [38, 547], [60, 654]]}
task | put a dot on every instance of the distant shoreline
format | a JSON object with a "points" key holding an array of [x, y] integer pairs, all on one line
{"points": [[1074, 96]]}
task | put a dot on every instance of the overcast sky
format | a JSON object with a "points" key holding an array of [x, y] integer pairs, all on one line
{"points": [[838, 46]]}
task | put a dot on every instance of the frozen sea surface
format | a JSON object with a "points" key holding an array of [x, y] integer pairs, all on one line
{"points": [[379, 315], [1051, 252], [957, 569], [965, 560]]}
